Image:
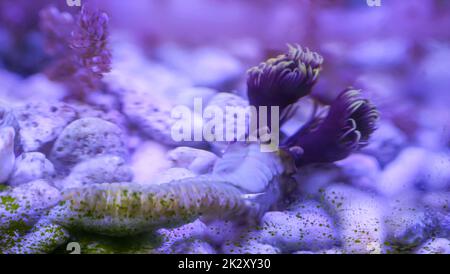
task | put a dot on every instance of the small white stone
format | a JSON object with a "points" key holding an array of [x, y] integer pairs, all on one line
{"points": [[148, 161], [436, 171], [152, 115], [197, 160], [42, 122], [176, 239], [359, 217], [405, 220], [386, 143], [313, 179], [438, 206], [361, 170], [87, 138], [403, 173], [205, 66], [7, 157], [308, 228], [435, 246], [98, 170], [221, 102], [173, 174], [219, 231], [8, 119], [31, 166]]}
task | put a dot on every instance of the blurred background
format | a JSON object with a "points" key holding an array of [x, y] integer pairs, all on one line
{"points": [[398, 52]]}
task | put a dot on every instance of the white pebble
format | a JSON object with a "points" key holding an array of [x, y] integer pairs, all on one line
{"points": [[359, 217], [31, 166], [197, 160], [7, 157]]}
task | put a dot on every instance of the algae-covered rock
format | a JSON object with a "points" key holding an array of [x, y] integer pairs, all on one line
{"points": [[43, 238]]}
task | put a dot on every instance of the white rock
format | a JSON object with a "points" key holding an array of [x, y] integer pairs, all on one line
{"points": [[42, 122], [204, 66], [438, 206], [386, 142], [152, 115], [197, 160], [7, 157], [132, 71], [435, 246], [361, 170], [220, 102], [148, 161], [98, 170], [39, 87], [406, 221], [31, 166], [175, 240], [359, 217], [436, 171], [43, 238], [313, 179], [191, 247], [403, 173], [308, 228], [8, 119], [86, 138], [26, 203], [219, 231], [173, 174]]}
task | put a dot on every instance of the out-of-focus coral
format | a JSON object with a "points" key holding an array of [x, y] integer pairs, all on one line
{"points": [[79, 47]]}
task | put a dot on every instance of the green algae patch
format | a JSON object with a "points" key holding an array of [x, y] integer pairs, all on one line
{"points": [[9, 203]]}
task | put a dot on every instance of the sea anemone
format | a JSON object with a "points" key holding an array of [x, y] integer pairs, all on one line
{"points": [[281, 81], [346, 128]]}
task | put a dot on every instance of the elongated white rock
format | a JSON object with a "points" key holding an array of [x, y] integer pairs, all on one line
{"points": [[7, 158]]}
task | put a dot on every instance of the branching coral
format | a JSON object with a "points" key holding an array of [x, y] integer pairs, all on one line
{"points": [[79, 47]]}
